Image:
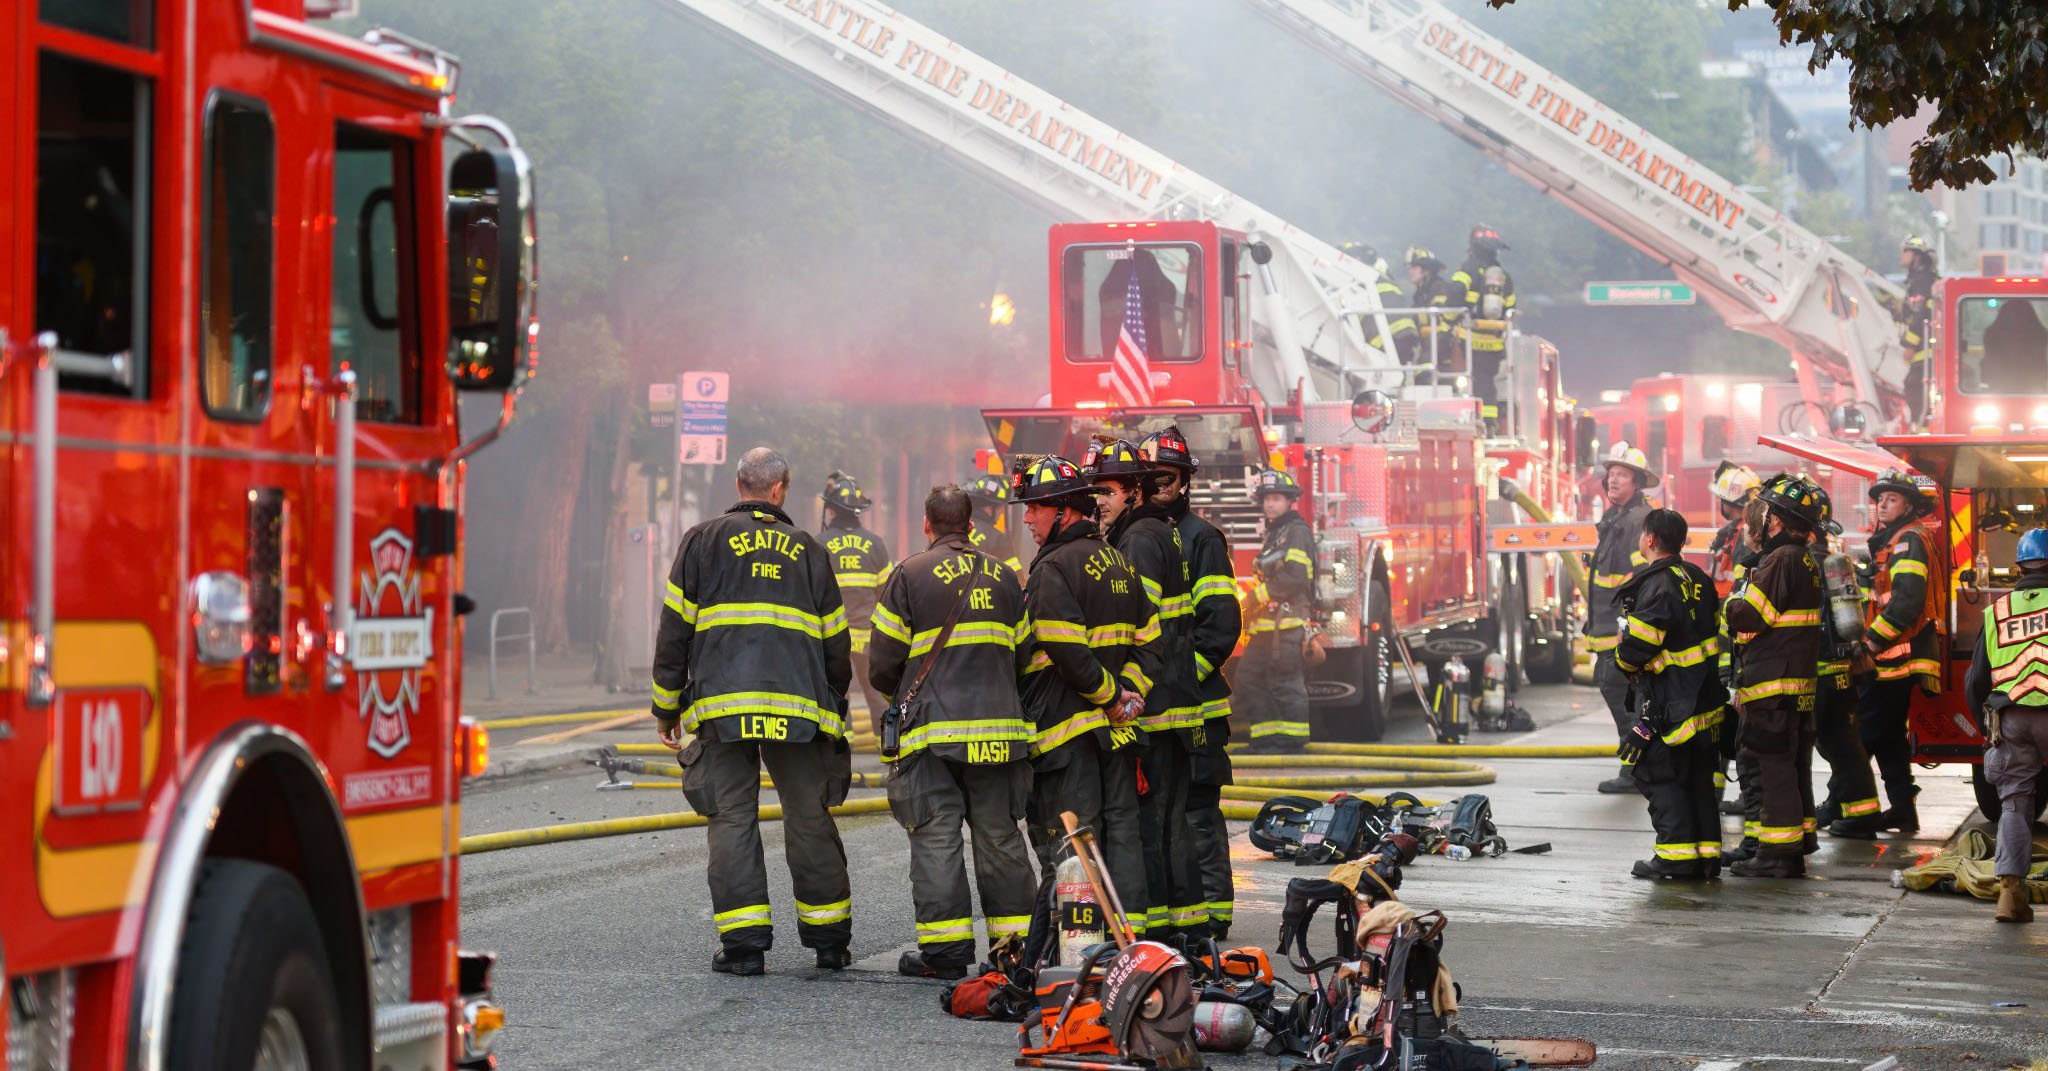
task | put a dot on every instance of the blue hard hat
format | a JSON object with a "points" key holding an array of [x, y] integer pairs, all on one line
{"points": [[2033, 549]]}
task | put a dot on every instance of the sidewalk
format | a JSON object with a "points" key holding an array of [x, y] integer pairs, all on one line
{"points": [[561, 685]]}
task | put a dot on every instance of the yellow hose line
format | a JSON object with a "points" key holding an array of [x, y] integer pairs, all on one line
{"points": [[559, 719], [1476, 751], [1573, 567], [612, 827]]}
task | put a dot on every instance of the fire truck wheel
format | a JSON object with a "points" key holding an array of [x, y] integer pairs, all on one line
{"points": [[1549, 663], [1987, 797], [254, 987]]}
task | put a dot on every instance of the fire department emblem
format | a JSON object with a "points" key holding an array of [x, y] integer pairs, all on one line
{"points": [[393, 638]]}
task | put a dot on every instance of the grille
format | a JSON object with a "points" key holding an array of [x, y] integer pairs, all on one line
{"points": [[39, 1022], [1225, 499], [391, 956]]}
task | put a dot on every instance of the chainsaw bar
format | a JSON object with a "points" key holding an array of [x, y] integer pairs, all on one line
{"points": [[1543, 1052]]}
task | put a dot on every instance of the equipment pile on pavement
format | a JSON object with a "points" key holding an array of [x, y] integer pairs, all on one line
{"points": [[1966, 867], [1321, 832]]}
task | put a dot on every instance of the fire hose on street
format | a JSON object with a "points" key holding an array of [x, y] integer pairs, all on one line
{"points": [[1352, 766]]}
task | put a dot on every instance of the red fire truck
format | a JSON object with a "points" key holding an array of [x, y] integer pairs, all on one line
{"points": [[1400, 492], [248, 265]]}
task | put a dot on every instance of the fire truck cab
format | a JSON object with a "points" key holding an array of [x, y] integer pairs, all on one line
{"points": [[250, 269], [1400, 484]]}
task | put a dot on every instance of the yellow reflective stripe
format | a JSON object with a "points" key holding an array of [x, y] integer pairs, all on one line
{"points": [[1859, 808], [1000, 926], [1602, 643], [1216, 708], [1776, 618], [1013, 730], [889, 624], [1644, 631], [1021, 635], [768, 613], [1103, 692], [1059, 632], [1908, 567], [1609, 580], [1136, 677], [680, 603], [1678, 852], [1710, 849], [1884, 629], [1188, 915], [1175, 718], [1783, 686], [1695, 655], [1297, 556], [1213, 587], [1203, 667], [740, 917], [1039, 661], [824, 914], [1923, 667], [971, 632], [1154, 589], [1780, 834], [859, 580], [1176, 606], [1219, 910], [1693, 726], [1074, 725], [945, 932], [777, 703], [1280, 728], [667, 698], [1118, 633], [1147, 633]]}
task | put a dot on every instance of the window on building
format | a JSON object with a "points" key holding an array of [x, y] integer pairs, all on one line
{"points": [[373, 315], [235, 259], [92, 215], [2009, 236]]}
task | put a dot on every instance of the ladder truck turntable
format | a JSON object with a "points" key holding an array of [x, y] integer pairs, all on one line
{"points": [[1263, 357], [231, 756]]}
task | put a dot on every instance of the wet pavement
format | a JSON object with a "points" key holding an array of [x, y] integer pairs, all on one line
{"points": [[606, 944]]}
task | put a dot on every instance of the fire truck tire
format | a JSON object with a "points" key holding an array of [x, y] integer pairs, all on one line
{"points": [[254, 988], [1987, 797], [1549, 663]]}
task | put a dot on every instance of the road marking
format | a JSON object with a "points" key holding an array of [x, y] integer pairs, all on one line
{"points": [[1733, 1063]]}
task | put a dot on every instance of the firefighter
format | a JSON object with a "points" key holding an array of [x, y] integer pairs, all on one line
{"points": [[1850, 808], [1901, 638], [989, 495], [1098, 647], [1779, 603], [1918, 259], [2008, 688], [1436, 337], [753, 658], [1615, 557], [1272, 687], [1143, 532], [963, 746], [1399, 338], [1732, 488], [1213, 587], [1670, 613], [860, 561], [1488, 291]]}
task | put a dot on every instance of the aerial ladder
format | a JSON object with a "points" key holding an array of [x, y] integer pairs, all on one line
{"points": [[1762, 272], [1319, 307]]}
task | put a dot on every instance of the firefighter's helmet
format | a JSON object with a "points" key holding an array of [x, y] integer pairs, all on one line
{"points": [[1422, 256], [1828, 523], [1274, 482], [1168, 446], [2033, 549], [1916, 244], [988, 490], [1630, 457], [1734, 483], [1794, 497], [1118, 459], [1486, 239], [1052, 480], [1905, 484], [844, 493], [1362, 252]]}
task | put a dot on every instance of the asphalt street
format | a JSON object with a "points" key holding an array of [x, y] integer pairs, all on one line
{"points": [[605, 945]]}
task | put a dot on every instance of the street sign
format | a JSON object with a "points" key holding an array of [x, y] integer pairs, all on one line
{"points": [[1644, 293], [661, 404], [701, 399]]}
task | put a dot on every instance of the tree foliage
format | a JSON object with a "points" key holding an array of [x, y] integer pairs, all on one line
{"points": [[1982, 64]]}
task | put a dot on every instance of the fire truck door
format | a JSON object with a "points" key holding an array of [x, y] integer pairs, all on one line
{"points": [[386, 300]]}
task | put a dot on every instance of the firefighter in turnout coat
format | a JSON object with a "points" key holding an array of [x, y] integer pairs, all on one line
{"points": [[1779, 604], [752, 657], [860, 562], [1098, 650], [962, 742], [1615, 558], [1213, 588], [1902, 639], [1669, 641], [1272, 682]]}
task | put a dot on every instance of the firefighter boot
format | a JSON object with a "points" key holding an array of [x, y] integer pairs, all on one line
{"points": [[914, 964], [1770, 866], [1858, 827], [1903, 816], [743, 964], [2012, 899], [1622, 783], [1741, 852], [836, 958], [1667, 870]]}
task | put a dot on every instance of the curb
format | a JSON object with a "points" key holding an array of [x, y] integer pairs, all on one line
{"points": [[546, 760]]}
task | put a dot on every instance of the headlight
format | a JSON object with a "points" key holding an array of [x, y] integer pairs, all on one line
{"points": [[1985, 413], [2040, 417]]}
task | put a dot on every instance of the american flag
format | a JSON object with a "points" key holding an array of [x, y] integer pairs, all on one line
{"points": [[1130, 373]]}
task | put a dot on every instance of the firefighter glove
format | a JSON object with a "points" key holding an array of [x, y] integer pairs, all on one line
{"points": [[1636, 742]]}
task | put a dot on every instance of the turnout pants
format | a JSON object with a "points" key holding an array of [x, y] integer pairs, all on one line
{"points": [[932, 798], [1852, 789], [723, 783], [1777, 745], [1172, 875], [1613, 685], [876, 704], [2013, 768], [1101, 788], [1678, 780], [1209, 771], [1271, 689], [1881, 715]]}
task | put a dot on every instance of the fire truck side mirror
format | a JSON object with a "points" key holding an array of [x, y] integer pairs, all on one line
{"points": [[491, 270], [1372, 410]]}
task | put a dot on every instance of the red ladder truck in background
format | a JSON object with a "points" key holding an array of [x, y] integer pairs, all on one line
{"points": [[249, 269], [1263, 352]]}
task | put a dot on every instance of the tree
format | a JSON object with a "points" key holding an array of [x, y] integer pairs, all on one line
{"points": [[1982, 63]]}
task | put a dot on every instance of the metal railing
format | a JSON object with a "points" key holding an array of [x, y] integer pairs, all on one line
{"points": [[496, 638]]}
